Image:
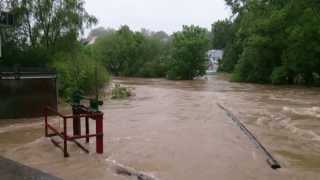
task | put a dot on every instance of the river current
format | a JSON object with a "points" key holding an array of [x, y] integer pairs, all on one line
{"points": [[175, 130]]}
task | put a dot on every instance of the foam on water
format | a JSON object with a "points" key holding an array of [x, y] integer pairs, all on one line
{"points": [[121, 169], [173, 131], [291, 119], [311, 111]]}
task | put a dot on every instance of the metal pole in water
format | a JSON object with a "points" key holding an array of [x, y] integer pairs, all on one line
{"points": [[270, 159]]}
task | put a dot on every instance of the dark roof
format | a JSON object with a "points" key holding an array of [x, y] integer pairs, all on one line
{"points": [[26, 72]]}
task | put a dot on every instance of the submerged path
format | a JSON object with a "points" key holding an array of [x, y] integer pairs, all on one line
{"points": [[12, 170], [168, 131]]}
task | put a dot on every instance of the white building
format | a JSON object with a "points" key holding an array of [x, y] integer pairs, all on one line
{"points": [[214, 57]]}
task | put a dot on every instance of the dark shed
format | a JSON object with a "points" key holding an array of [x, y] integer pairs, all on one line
{"points": [[24, 92]]}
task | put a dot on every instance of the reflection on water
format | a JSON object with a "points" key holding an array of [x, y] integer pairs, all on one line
{"points": [[174, 130]]}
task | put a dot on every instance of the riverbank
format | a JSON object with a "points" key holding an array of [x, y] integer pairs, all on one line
{"points": [[174, 130]]}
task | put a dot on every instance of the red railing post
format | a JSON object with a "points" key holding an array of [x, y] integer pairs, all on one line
{"points": [[65, 145], [99, 132], [87, 129], [46, 122], [79, 113], [76, 121]]}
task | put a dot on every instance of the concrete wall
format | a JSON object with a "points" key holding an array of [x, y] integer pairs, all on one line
{"points": [[25, 98]]}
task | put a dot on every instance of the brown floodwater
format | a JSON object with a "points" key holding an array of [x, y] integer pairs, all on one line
{"points": [[173, 130]]}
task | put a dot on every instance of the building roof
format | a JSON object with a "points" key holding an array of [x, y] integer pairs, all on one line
{"points": [[26, 73]]}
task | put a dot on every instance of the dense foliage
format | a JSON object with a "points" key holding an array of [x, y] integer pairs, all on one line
{"points": [[79, 72], [128, 53], [153, 54], [189, 57], [274, 41], [223, 37], [221, 34], [46, 33], [119, 92]]}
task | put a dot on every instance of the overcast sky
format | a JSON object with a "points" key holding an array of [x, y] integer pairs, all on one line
{"points": [[167, 15]]}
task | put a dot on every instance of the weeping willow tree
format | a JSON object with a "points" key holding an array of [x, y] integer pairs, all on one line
{"points": [[42, 28], [47, 33]]}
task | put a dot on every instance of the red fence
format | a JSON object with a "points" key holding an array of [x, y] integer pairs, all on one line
{"points": [[81, 112]]}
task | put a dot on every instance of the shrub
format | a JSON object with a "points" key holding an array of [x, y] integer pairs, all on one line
{"points": [[280, 75], [78, 72], [119, 92], [129, 53], [189, 49]]}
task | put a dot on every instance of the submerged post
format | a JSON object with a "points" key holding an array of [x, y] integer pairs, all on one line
{"points": [[76, 120], [65, 145], [76, 111], [79, 111], [99, 132], [46, 122], [87, 129]]}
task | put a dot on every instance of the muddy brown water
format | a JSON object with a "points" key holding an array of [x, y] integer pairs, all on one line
{"points": [[175, 131]]}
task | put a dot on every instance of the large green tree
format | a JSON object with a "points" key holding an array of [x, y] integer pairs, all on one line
{"points": [[223, 37], [42, 28], [221, 34], [274, 41], [46, 33], [188, 57], [129, 53]]}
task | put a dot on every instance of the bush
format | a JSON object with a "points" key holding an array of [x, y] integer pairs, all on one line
{"points": [[153, 69], [129, 53], [272, 48], [257, 60], [280, 75], [78, 72], [119, 92], [230, 58], [189, 58]]}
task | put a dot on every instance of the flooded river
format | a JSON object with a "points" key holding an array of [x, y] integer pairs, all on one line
{"points": [[175, 131]]}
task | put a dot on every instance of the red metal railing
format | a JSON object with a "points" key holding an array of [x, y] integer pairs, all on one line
{"points": [[81, 112]]}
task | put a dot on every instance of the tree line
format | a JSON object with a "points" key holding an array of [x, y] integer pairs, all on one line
{"points": [[153, 54], [271, 41], [264, 41], [47, 33]]}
